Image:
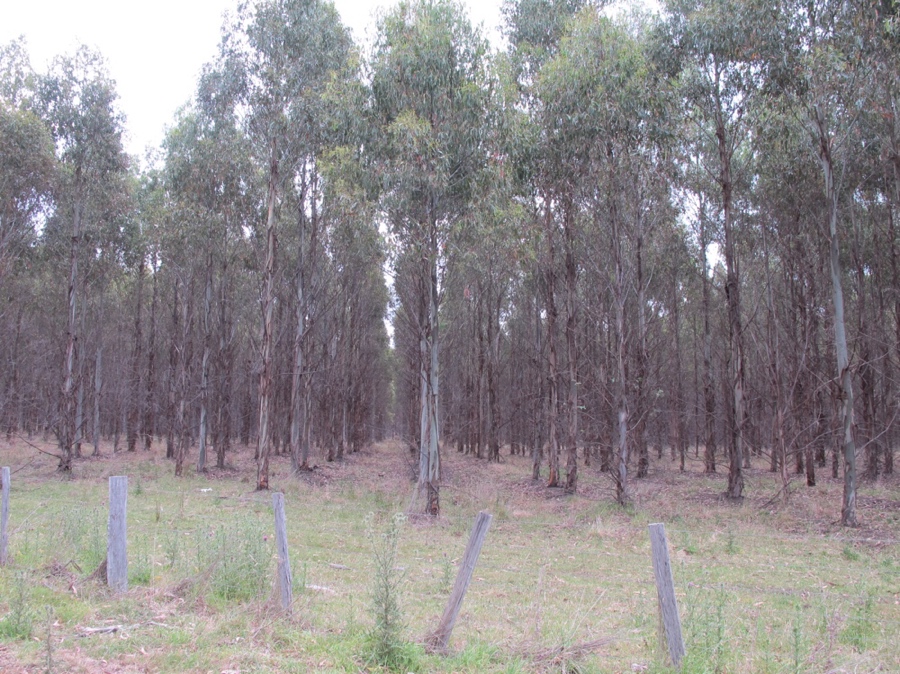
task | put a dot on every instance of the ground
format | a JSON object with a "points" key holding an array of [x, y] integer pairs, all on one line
{"points": [[564, 582]]}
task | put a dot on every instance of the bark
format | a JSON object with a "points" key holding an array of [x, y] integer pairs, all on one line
{"points": [[709, 394], [553, 360], [224, 369], [171, 408], [135, 397], [98, 396], [572, 353], [205, 364], [848, 444], [640, 396], [732, 295], [149, 420], [619, 298], [429, 447], [67, 430], [263, 446]]}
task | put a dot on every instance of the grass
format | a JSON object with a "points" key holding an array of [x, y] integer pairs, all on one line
{"points": [[563, 583]]}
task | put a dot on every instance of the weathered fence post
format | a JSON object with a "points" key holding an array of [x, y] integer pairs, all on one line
{"points": [[117, 535], [439, 640], [284, 580], [4, 517], [670, 622]]}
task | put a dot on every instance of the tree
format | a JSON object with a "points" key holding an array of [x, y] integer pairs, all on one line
{"points": [[78, 101], [278, 57], [428, 71]]}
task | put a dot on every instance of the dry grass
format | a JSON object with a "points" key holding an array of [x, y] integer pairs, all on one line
{"points": [[564, 582]]}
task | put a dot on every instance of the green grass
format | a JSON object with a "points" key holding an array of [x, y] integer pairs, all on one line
{"points": [[563, 583]]}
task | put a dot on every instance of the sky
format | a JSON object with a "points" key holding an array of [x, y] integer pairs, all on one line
{"points": [[155, 50]]}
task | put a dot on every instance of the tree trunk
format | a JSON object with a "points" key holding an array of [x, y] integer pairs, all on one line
{"points": [[429, 447], [149, 420], [735, 333], [204, 365], [709, 394], [134, 389], [67, 429], [571, 348], [848, 507], [98, 395], [268, 305]]}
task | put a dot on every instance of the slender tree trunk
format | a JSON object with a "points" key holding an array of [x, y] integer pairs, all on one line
{"points": [[134, 389], [735, 332], [619, 297], [848, 507], [571, 348], [149, 420], [640, 396], [171, 411], [429, 447], [204, 364], [553, 359], [224, 367], [709, 394], [266, 342], [98, 396], [67, 426], [537, 443]]}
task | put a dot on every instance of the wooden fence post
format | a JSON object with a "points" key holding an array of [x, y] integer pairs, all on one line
{"points": [[670, 622], [440, 638], [117, 535], [4, 517], [284, 580]]}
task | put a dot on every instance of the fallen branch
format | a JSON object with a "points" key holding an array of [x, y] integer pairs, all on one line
{"points": [[560, 653]]}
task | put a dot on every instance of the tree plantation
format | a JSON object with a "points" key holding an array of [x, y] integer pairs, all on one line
{"points": [[620, 238]]}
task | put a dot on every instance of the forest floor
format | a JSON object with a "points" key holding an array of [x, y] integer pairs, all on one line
{"points": [[564, 582]]}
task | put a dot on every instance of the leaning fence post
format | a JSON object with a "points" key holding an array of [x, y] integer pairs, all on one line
{"points": [[284, 580], [4, 517], [439, 640], [670, 622], [116, 542]]}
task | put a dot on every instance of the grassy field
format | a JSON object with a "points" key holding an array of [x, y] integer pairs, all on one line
{"points": [[564, 583]]}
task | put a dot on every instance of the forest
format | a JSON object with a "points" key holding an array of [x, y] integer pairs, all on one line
{"points": [[620, 236]]}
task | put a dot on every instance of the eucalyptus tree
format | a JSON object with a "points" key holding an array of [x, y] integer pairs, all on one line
{"points": [[428, 76], [601, 96], [77, 98], [27, 159], [206, 171], [535, 29], [828, 78], [717, 45], [278, 56]]}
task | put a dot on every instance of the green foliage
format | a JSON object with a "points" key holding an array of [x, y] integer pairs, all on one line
{"points": [[385, 644], [83, 537], [238, 558], [19, 622], [705, 633], [859, 632]]}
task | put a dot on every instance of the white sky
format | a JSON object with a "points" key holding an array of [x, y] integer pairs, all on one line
{"points": [[155, 50]]}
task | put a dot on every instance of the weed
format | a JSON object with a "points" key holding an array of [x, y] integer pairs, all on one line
{"points": [[730, 543], [859, 632], [48, 642], [446, 575], [850, 554], [706, 640], [239, 559], [18, 623], [385, 642], [798, 643]]}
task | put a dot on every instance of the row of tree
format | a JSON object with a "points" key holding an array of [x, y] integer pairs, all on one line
{"points": [[624, 234]]}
